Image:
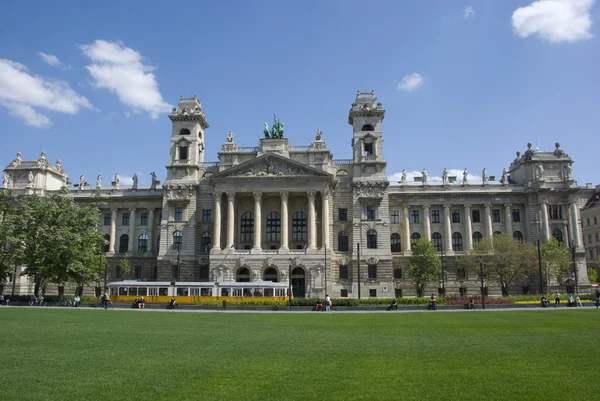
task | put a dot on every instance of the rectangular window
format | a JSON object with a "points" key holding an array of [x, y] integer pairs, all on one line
{"points": [[342, 242], [496, 215], [461, 273], [414, 216], [398, 292], [137, 272], [178, 214], [398, 273], [155, 273], [183, 153], [395, 217], [373, 293], [435, 216], [372, 271], [344, 293], [370, 212], [456, 216], [595, 220], [107, 219], [207, 215], [144, 219], [343, 214], [343, 272], [476, 216], [589, 238], [125, 219], [516, 215], [462, 291], [588, 222], [597, 237]]}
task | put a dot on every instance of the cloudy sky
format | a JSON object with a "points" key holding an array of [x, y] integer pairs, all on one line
{"points": [[464, 85]]}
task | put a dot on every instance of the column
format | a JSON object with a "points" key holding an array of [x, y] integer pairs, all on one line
{"points": [[576, 230], [150, 229], [527, 224], [447, 229], [131, 246], [488, 221], [312, 241], [325, 199], [257, 220], [230, 219], [508, 219], [217, 222], [406, 229], [545, 229], [468, 227], [427, 222], [284, 220], [113, 230]]}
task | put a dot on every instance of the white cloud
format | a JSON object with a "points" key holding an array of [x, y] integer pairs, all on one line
{"points": [[468, 12], [53, 61], [126, 180], [554, 20], [120, 70], [22, 94], [458, 173], [410, 82]]}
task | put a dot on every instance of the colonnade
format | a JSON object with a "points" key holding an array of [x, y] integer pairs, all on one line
{"points": [[131, 233]]}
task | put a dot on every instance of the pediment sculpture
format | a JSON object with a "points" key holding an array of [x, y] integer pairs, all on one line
{"points": [[273, 167]]}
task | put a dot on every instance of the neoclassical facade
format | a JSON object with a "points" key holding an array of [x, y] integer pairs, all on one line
{"points": [[295, 214]]}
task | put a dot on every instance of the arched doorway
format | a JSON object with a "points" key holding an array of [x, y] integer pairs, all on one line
{"points": [[298, 282], [270, 274], [242, 275]]}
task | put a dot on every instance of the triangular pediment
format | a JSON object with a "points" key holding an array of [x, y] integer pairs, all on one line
{"points": [[271, 165]]}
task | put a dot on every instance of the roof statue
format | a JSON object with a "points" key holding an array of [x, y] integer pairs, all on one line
{"points": [[445, 176], [465, 177], [558, 151], [5, 180], [403, 179], [425, 176], [504, 176], [230, 136], [154, 180], [135, 181], [319, 135], [99, 181], [276, 131], [484, 176]]}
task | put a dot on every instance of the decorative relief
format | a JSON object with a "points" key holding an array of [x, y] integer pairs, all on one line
{"points": [[179, 192], [16, 161], [270, 167], [371, 189]]}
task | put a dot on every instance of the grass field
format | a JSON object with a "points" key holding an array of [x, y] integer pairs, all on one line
{"points": [[68, 354]]}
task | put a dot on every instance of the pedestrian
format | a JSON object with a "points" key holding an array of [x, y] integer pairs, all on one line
{"points": [[557, 300], [597, 299], [578, 300], [105, 300], [432, 302], [327, 303]]}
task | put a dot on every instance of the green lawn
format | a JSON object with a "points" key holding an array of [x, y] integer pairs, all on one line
{"points": [[69, 354]]}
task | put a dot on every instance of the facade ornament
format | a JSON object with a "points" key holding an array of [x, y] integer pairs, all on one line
{"points": [[230, 137], [403, 177], [276, 131], [154, 181], [518, 156], [425, 176], [59, 166], [445, 176], [99, 181], [5, 180], [568, 172], [42, 161], [540, 172], [30, 180], [269, 167], [16, 161], [529, 152], [504, 176], [81, 182], [465, 176], [135, 181], [117, 182], [558, 152], [484, 176], [319, 136]]}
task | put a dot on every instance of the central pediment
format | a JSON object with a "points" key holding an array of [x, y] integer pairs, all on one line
{"points": [[271, 165]]}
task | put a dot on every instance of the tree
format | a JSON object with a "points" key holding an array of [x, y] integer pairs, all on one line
{"points": [[125, 268], [424, 266], [592, 274], [8, 207], [556, 261], [506, 260]]}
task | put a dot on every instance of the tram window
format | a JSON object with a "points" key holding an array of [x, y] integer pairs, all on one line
{"points": [[268, 292], [153, 292], [133, 291], [247, 292], [258, 292], [122, 291], [113, 291], [237, 292], [163, 291], [194, 291], [280, 292], [224, 292], [142, 291], [207, 292], [183, 292]]}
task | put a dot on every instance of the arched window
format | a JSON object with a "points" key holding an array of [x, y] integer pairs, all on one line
{"points": [[518, 235], [367, 127], [414, 237], [157, 243], [557, 233], [436, 239], [106, 246], [299, 227], [477, 237], [497, 233], [206, 241], [242, 275], [177, 239], [270, 274], [124, 243], [142, 243], [457, 245], [395, 242], [273, 227], [372, 239], [184, 131], [342, 242], [247, 227]]}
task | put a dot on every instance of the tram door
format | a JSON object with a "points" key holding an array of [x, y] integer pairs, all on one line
{"points": [[298, 283]]}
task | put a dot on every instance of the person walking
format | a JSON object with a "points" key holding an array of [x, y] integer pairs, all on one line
{"points": [[327, 303], [557, 300]]}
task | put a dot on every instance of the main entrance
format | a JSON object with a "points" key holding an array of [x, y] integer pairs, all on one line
{"points": [[298, 283]]}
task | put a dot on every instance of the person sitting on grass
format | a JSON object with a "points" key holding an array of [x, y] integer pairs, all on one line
{"points": [[142, 303], [545, 302], [432, 303], [136, 303], [76, 301], [570, 300], [471, 303], [172, 303], [578, 301], [319, 305], [394, 305]]}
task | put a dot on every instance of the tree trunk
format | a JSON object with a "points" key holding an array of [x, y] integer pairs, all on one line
{"points": [[504, 290]]}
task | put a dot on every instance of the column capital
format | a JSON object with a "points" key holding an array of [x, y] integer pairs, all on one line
{"points": [[114, 209], [426, 206], [284, 195], [132, 209], [447, 206], [487, 205], [218, 195], [508, 205], [467, 205], [325, 192], [257, 195], [231, 195], [311, 195]]}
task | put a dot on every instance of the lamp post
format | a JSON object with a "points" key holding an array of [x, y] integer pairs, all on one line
{"points": [[482, 286], [105, 269], [290, 286], [539, 250], [442, 267], [358, 265]]}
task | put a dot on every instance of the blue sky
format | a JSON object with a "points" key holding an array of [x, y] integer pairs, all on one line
{"points": [[464, 84]]}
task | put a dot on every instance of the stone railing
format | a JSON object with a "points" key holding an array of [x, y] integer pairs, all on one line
{"points": [[248, 149], [369, 158], [210, 164], [299, 148], [341, 162]]}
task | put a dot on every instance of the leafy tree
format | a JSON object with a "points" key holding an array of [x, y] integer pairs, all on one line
{"points": [[556, 261], [592, 274], [125, 268], [507, 260], [424, 266], [8, 206]]}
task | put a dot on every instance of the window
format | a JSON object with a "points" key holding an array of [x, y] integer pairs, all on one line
{"points": [[462, 291], [372, 270], [367, 127], [395, 217], [157, 243], [589, 238], [555, 212], [597, 237], [477, 237], [398, 292], [457, 245], [588, 221], [398, 273], [342, 242], [178, 214], [343, 272], [299, 227], [344, 293], [177, 239], [456, 216], [184, 131], [273, 227], [206, 241], [125, 219], [516, 215], [395, 242], [106, 246], [595, 220], [343, 214], [414, 216], [373, 293], [476, 216], [370, 212], [107, 219], [436, 239], [124, 243], [142, 243], [435, 216], [247, 227], [144, 219], [137, 273], [518, 235], [61, 290], [497, 233], [368, 149], [183, 153], [207, 215], [154, 273], [557, 233], [414, 237], [461, 273], [496, 215], [204, 276], [372, 239], [118, 274]]}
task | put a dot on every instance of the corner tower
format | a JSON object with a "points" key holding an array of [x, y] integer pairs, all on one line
{"points": [[366, 116]]}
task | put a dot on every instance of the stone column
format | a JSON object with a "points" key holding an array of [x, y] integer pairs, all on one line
{"points": [[576, 230], [230, 219], [545, 231], [406, 229], [113, 230], [468, 227], [325, 199], [527, 225], [217, 222], [150, 229], [447, 229], [488, 221], [132, 231], [508, 219], [284, 220], [257, 220], [312, 240], [427, 222]]}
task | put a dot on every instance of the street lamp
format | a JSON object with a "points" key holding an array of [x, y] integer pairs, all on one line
{"points": [[443, 278]]}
